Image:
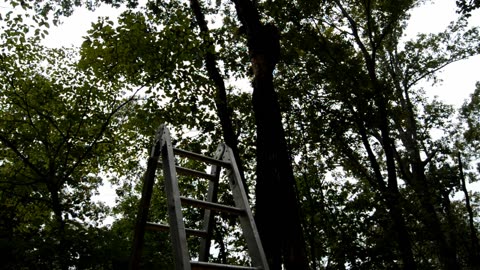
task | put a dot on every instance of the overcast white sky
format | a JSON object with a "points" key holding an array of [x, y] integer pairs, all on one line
{"points": [[458, 78]]}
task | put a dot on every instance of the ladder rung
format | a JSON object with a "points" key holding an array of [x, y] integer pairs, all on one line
{"points": [[212, 206], [190, 172], [157, 227], [203, 158], [206, 265], [165, 228]]}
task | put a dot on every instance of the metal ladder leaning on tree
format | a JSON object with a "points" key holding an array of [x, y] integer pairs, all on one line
{"points": [[163, 153]]}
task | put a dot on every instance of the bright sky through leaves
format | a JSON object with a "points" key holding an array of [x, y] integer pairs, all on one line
{"points": [[458, 79]]}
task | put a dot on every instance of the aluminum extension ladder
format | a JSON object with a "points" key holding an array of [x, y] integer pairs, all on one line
{"points": [[163, 153]]}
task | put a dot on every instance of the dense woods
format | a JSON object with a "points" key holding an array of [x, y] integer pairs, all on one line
{"points": [[349, 162]]}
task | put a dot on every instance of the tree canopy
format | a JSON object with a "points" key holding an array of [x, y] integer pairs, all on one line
{"points": [[349, 162]]}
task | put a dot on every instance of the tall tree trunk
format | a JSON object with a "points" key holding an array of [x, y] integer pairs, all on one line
{"points": [[431, 220], [277, 209], [390, 192], [221, 101], [60, 223], [423, 190], [391, 196], [474, 256], [418, 181], [450, 222]]}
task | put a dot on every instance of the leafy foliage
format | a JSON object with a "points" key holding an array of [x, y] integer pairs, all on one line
{"points": [[376, 162], [466, 7], [58, 130]]}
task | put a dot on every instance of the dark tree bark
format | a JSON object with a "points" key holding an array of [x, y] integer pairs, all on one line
{"points": [[389, 190], [391, 198], [221, 101], [63, 256], [474, 256], [277, 210], [392, 195], [418, 179], [431, 220], [423, 189], [450, 221]]}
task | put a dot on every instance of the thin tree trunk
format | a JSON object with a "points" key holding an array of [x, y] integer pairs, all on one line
{"points": [[57, 210], [391, 197], [221, 102], [474, 255], [452, 235], [447, 255], [423, 191], [391, 193], [277, 209]]}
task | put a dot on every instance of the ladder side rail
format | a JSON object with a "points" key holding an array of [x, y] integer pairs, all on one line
{"points": [[247, 222], [208, 215], [177, 226], [142, 216]]}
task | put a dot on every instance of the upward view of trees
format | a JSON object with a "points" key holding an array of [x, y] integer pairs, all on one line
{"points": [[349, 163]]}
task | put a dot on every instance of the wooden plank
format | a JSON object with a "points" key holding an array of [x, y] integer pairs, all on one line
{"points": [[203, 158], [213, 206], [214, 266]]}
